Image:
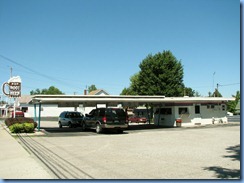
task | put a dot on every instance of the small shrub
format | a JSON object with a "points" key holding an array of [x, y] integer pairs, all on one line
{"points": [[22, 128], [16, 128], [11, 121], [28, 127]]}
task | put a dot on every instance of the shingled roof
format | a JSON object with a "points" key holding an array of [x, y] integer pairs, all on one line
{"points": [[24, 99], [98, 92]]}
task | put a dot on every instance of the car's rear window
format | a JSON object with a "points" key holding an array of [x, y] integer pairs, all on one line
{"points": [[115, 113]]}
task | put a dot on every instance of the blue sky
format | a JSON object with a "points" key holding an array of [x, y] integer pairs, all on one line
{"points": [[72, 44]]}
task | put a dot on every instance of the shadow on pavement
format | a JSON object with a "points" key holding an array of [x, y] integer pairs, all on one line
{"points": [[225, 173], [79, 129]]}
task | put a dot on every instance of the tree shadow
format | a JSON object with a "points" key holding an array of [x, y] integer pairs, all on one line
{"points": [[225, 173], [236, 150]]}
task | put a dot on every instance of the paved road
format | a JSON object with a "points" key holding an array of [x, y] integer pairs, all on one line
{"points": [[173, 153]]}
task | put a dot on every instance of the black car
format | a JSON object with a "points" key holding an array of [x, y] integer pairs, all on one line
{"points": [[107, 118], [70, 119]]}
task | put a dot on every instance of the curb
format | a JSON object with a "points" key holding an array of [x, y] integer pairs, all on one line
{"points": [[42, 132]]}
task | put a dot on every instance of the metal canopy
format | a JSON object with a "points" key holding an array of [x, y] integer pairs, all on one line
{"points": [[131, 100], [114, 100]]}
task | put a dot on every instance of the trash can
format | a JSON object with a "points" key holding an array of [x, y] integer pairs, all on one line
{"points": [[178, 122]]}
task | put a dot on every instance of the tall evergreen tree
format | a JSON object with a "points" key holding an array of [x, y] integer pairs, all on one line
{"points": [[160, 74]]}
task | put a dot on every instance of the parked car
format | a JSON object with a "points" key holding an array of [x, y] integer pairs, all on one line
{"points": [[137, 119], [107, 118], [70, 119], [18, 114]]}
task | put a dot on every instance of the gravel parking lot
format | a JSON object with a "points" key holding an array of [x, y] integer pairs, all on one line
{"points": [[167, 153]]}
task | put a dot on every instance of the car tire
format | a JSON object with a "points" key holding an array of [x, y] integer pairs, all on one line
{"points": [[60, 125], [70, 125], [120, 131], [99, 128]]}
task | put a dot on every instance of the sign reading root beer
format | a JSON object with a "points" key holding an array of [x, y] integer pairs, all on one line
{"points": [[14, 87]]}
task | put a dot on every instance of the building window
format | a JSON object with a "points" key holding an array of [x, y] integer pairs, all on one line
{"points": [[165, 111], [210, 106], [24, 109], [197, 109], [183, 110], [223, 107]]}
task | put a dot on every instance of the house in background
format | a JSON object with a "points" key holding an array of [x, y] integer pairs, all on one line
{"points": [[87, 109], [98, 92], [4, 110]]}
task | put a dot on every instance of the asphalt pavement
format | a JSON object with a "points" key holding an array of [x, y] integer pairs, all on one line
{"points": [[173, 153]]}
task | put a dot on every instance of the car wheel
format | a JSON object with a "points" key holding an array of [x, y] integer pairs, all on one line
{"points": [[99, 128], [70, 125], [83, 126], [60, 125], [119, 131]]}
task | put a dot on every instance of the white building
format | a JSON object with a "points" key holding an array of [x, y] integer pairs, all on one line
{"points": [[192, 110], [54, 110], [47, 110]]}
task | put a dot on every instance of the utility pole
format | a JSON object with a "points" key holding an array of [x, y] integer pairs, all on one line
{"points": [[217, 89], [11, 72]]}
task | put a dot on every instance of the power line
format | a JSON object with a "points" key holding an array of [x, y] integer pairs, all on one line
{"points": [[64, 81], [35, 72], [229, 84], [31, 70]]}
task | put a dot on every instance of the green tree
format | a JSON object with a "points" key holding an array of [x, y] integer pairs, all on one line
{"points": [[231, 106], [50, 91], [36, 92], [92, 88], [190, 92], [197, 94], [125, 91], [160, 74], [53, 91], [216, 93]]}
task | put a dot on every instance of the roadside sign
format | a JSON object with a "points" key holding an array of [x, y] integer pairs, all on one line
{"points": [[14, 87]]}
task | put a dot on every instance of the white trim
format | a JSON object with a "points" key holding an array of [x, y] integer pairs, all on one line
{"points": [[123, 99]]}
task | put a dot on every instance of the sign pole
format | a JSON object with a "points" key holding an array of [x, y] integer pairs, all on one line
{"points": [[14, 90], [14, 109], [39, 119], [35, 112]]}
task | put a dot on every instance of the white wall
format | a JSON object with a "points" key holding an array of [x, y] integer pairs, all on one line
{"points": [[52, 110], [47, 110], [207, 114]]}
